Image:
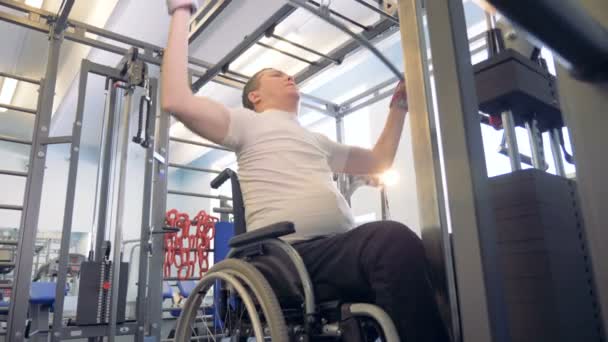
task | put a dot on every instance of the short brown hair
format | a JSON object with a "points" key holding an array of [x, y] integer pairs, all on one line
{"points": [[252, 85]]}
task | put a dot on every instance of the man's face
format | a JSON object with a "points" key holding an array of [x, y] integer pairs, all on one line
{"points": [[276, 86]]}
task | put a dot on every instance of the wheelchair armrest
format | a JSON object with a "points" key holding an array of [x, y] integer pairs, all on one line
{"points": [[275, 230]]}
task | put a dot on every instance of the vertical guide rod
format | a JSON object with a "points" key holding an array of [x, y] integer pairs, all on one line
{"points": [[425, 148], [469, 199], [533, 137], [68, 215], [123, 142], [512, 149], [146, 217], [557, 152], [159, 207]]}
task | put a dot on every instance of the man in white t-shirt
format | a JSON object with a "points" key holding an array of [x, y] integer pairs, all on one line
{"points": [[286, 175]]}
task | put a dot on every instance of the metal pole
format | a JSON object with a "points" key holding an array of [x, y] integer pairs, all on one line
{"points": [[33, 190], [192, 142], [123, 142], [425, 148], [557, 152], [534, 148], [159, 207], [342, 178], [68, 216], [481, 295], [107, 148], [193, 168], [584, 109], [20, 78], [146, 218], [18, 109], [360, 39], [15, 140], [383, 203], [512, 149], [193, 194]]}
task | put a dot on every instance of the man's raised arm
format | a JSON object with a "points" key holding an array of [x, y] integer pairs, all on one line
{"points": [[202, 115]]}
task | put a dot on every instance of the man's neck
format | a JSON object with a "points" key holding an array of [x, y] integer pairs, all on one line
{"points": [[289, 109]]}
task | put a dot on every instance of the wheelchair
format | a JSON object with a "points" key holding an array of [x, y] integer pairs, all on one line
{"points": [[262, 292]]}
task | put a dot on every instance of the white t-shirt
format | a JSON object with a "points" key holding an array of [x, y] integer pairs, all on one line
{"points": [[285, 172]]}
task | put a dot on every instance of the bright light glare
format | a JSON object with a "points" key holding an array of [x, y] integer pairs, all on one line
{"points": [[8, 90], [389, 177]]}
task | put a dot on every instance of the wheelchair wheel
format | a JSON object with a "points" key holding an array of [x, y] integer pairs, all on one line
{"points": [[238, 303]]}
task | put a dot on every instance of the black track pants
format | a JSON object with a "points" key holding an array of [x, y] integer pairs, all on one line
{"points": [[383, 263]]}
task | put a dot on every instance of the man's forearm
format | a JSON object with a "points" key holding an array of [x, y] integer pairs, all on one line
{"points": [[386, 146], [174, 83]]}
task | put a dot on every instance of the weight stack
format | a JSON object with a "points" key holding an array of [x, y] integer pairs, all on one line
{"points": [[544, 258], [95, 291]]}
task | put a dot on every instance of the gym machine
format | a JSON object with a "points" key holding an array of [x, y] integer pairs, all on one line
{"points": [[101, 305]]}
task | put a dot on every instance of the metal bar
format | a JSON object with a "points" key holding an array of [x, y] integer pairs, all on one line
{"points": [[57, 140], [534, 148], [33, 189], [68, 216], [187, 167], [18, 109], [205, 17], [106, 153], [509, 128], [359, 39], [368, 92], [288, 54], [23, 21], [483, 310], [193, 194], [584, 109], [80, 332], [378, 31], [377, 10], [522, 157], [427, 164], [557, 152], [14, 140], [123, 144], [11, 207], [198, 338], [63, 14], [159, 207], [300, 46], [380, 96], [177, 278], [20, 78], [223, 210], [276, 18], [192, 142], [146, 215], [80, 38], [13, 173], [341, 16]]}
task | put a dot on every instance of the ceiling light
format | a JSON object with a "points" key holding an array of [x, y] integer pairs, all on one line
{"points": [[8, 90], [34, 3]]}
